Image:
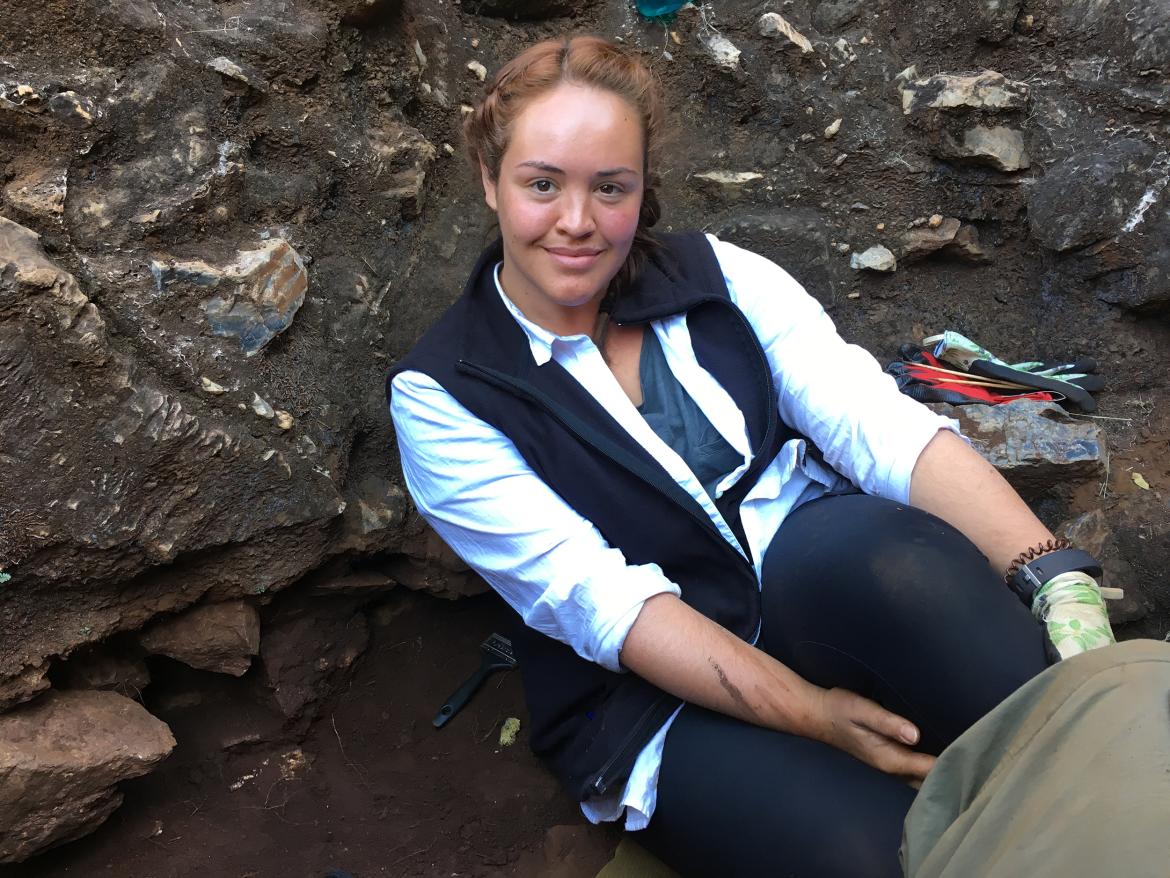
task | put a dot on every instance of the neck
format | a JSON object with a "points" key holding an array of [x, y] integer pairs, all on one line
{"points": [[563, 320]]}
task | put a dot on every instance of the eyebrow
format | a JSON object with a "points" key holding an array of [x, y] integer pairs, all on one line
{"points": [[553, 169]]}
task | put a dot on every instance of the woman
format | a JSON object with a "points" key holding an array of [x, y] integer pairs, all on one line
{"points": [[652, 448]]}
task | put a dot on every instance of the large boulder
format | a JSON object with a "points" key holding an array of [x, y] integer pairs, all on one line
{"points": [[61, 758]]}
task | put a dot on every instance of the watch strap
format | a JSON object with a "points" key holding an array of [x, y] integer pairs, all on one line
{"points": [[1029, 578]]}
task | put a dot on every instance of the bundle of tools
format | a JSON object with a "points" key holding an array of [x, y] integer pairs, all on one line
{"points": [[952, 368]]}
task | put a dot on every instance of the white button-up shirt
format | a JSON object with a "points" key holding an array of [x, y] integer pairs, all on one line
{"points": [[552, 565]]}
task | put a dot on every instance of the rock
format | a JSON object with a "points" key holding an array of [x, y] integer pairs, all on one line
{"points": [[966, 247], [262, 291], [99, 668], [876, 258], [261, 407], [832, 129], [520, 10], [428, 564], [998, 18], [28, 682], [478, 69], [39, 194], [1088, 531], [728, 179], [722, 50], [1035, 445], [362, 582], [1091, 195], [831, 16], [210, 386], [772, 24], [211, 637], [61, 757], [998, 147], [228, 68], [989, 91], [400, 157], [284, 420], [309, 647], [34, 287], [935, 220], [1135, 34], [920, 242], [73, 109]]}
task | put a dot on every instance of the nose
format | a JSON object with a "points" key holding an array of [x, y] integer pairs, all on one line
{"points": [[576, 216]]}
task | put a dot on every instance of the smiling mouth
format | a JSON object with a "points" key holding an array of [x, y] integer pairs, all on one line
{"points": [[572, 258]]}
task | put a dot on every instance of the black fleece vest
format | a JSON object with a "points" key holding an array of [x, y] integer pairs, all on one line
{"points": [[587, 722]]}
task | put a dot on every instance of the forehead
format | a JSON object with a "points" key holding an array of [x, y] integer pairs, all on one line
{"points": [[589, 125]]}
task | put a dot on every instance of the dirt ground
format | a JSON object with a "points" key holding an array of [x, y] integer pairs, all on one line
{"points": [[373, 789]]}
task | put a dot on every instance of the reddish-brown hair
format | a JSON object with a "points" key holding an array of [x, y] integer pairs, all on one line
{"points": [[582, 60]]}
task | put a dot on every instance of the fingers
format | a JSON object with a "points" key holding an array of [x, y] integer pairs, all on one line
{"points": [[876, 736], [908, 764], [877, 719]]}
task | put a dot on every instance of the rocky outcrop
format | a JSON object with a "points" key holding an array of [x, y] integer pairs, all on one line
{"points": [[220, 223], [61, 758], [215, 637]]}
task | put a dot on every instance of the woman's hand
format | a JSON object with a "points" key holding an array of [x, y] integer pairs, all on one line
{"points": [[869, 732]]}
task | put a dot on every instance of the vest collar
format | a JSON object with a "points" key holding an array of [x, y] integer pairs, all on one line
{"points": [[495, 337]]}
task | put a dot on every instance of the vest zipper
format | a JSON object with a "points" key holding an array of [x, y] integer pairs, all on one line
{"points": [[602, 779]]}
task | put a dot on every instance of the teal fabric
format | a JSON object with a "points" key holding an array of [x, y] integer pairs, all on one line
{"points": [[678, 420]]}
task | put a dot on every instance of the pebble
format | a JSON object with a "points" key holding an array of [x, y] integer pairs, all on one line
{"points": [[283, 419], [935, 220], [772, 24], [876, 258], [210, 386], [832, 130], [261, 407], [722, 50], [478, 69], [840, 160]]}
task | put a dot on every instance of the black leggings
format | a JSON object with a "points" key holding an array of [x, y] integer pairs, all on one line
{"points": [[872, 596]]}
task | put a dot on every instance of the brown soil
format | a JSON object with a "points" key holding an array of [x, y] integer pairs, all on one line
{"points": [[373, 789]]}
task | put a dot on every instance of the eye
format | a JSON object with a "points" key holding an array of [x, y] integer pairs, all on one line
{"points": [[610, 189], [542, 186]]}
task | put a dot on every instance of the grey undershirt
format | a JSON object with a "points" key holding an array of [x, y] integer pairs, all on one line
{"points": [[678, 421]]}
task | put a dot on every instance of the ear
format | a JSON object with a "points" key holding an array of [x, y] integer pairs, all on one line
{"points": [[489, 186]]}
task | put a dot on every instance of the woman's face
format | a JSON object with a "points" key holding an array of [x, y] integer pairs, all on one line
{"points": [[567, 198]]}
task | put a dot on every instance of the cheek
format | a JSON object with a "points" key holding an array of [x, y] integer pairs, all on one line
{"points": [[620, 223], [525, 221]]}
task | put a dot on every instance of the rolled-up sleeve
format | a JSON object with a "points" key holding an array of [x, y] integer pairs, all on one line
{"points": [[833, 392], [551, 565]]}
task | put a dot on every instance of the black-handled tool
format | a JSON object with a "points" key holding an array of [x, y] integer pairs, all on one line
{"points": [[497, 656]]}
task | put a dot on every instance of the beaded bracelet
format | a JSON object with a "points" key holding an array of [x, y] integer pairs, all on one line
{"points": [[1034, 552]]}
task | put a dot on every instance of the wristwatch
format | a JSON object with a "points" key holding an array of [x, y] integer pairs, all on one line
{"points": [[1030, 577]]}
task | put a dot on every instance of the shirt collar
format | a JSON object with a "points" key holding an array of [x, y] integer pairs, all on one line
{"points": [[540, 340]]}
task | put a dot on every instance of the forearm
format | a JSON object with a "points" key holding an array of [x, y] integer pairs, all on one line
{"points": [[954, 482], [686, 654]]}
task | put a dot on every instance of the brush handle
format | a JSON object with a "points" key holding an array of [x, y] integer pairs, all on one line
{"points": [[463, 694]]}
